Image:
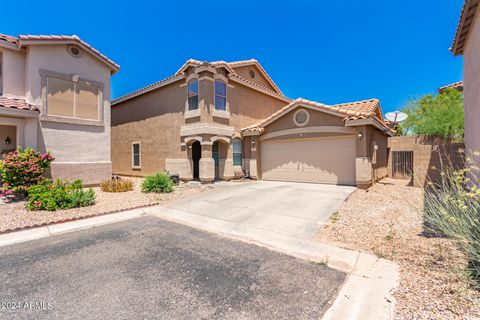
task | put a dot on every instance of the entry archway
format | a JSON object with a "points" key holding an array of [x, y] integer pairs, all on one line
{"points": [[196, 156]]}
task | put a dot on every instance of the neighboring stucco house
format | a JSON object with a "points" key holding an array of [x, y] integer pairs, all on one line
{"points": [[55, 96], [467, 43], [218, 120]]}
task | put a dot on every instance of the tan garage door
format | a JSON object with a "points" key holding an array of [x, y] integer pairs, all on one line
{"points": [[326, 160]]}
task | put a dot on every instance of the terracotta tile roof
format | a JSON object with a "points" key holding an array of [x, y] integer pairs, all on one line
{"points": [[192, 62], [74, 39], [146, 89], [350, 111], [364, 108], [16, 104], [242, 62], [25, 40], [456, 85], [231, 65], [8, 39], [189, 62], [467, 16]]}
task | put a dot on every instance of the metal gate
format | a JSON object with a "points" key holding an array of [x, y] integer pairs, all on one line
{"points": [[402, 164]]}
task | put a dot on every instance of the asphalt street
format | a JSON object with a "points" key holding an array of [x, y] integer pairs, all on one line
{"points": [[148, 268]]}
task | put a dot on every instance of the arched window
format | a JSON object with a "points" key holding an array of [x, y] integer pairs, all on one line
{"points": [[220, 95], [193, 94], [237, 152]]}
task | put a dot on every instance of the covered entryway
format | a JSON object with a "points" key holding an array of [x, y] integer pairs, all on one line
{"points": [[196, 156], [329, 160], [8, 140]]}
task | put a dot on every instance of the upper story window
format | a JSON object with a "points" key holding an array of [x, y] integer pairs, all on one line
{"points": [[220, 95], [71, 99], [193, 94]]}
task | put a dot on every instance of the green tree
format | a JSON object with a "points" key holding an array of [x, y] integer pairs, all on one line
{"points": [[440, 115]]}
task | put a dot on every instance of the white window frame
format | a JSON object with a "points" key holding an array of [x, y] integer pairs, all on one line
{"points": [[139, 155]]}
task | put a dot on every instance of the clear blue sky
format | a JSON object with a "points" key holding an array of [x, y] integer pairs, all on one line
{"points": [[329, 51]]}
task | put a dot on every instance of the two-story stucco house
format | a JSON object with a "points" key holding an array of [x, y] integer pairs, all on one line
{"points": [[55, 96], [467, 43], [217, 120]]}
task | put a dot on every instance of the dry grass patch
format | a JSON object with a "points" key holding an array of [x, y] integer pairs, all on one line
{"points": [[387, 220], [116, 185]]}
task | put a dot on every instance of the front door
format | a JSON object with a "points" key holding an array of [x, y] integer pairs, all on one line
{"points": [[196, 156]]}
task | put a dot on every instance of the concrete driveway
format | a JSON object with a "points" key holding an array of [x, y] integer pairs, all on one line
{"points": [[148, 268], [292, 209]]}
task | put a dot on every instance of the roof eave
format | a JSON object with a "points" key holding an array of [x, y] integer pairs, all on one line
{"points": [[147, 89], [9, 45], [370, 121], [114, 67], [467, 17]]}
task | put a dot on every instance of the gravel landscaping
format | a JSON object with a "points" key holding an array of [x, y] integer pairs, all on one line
{"points": [[15, 216], [386, 220]]}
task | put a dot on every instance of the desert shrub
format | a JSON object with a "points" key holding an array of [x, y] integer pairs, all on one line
{"points": [[158, 183], [21, 169], [436, 115], [116, 185], [452, 208], [50, 196]]}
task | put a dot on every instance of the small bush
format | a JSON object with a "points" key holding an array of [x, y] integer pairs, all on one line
{"points": [[21, 169], [452, 208], [116, 185], [158, 183], [50, 196]]}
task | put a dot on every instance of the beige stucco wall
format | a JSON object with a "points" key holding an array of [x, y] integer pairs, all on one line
{"points": [[471, 79], [248, 106], [317, 118], [155, 119], [244, 72], [380, 156], [76, 147], [13, 73]]}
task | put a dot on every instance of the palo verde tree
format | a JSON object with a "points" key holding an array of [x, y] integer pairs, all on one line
{"points": [[436, 115]]}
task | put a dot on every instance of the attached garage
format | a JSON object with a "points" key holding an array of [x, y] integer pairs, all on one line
{"points": [[307, 141], [329, 160]]}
